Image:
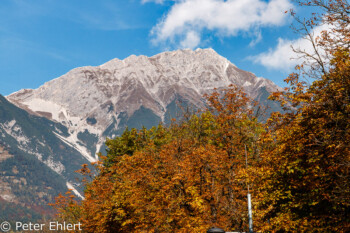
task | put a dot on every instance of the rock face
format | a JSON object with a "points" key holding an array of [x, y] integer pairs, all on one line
{"points": [[96, 102]]}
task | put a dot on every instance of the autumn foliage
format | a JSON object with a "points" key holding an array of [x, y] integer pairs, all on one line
{"points": [[192, 174], [185, 177], [304, 177]]}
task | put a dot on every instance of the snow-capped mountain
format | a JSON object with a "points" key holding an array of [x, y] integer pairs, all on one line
{"points": [[96, 102], [48, 133]]}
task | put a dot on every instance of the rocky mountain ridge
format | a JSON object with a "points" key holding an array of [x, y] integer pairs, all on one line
{"points": [[96, 102]]}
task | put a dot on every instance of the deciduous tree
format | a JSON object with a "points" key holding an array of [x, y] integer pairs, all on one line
{"points": [[185, 177], [304, 177]]}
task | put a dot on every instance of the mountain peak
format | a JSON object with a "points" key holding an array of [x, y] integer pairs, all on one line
{"points": [[206, 50], [94, 99], [187, 54]]}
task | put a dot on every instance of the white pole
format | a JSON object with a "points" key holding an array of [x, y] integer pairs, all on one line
{"points": [[250, 215]]}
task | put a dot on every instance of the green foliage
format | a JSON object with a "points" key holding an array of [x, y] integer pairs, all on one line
{"points": [[133, 140]]}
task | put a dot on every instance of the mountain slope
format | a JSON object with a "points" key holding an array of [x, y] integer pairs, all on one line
{"points": [[98, 102], [35, 164]]}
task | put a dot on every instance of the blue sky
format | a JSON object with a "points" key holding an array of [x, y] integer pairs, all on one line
{"points": [[43, 39]]}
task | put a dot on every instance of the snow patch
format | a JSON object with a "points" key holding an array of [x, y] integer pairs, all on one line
{"points": [[70, 186], [42, 105], [15, 131], [8, 197], [72, 141], [54, 165], [246, 84], [10, 124]]}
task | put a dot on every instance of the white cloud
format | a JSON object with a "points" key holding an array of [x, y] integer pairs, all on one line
{"points": [[189, 18], [191, 40], [258, 38], [282, 56]]}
